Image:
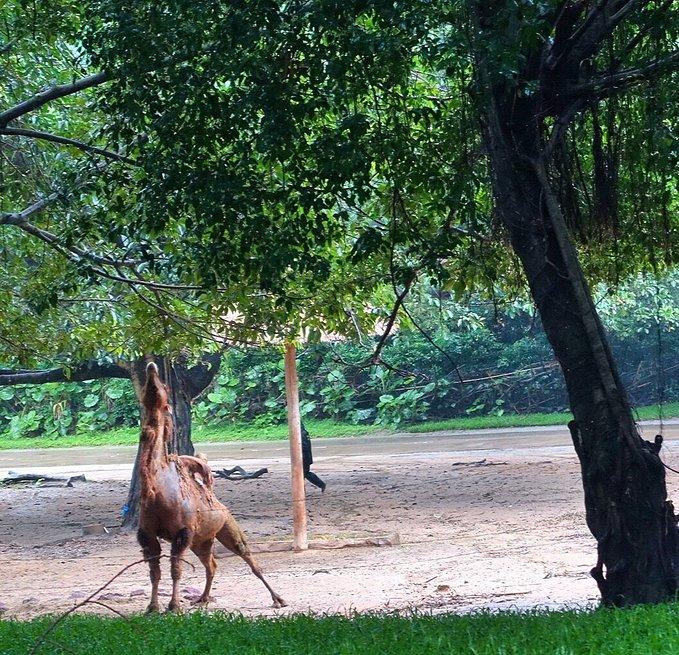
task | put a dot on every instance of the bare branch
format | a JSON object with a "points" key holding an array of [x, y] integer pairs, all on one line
{"points": [[16, 218], [560, 125], [587, 39], [51, 93], [606, 85], [86, 371], [54, 138], [400, 297]]}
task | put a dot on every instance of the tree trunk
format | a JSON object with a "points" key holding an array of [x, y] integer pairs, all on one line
{"points": [[184, 386], [623, 477]]}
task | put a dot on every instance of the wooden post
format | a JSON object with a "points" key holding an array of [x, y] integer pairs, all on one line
{"points": [[299, 529]]}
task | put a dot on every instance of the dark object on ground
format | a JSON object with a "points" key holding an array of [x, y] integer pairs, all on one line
{"points": [[480, 462], [13, 477], [308, 460], [238, 473]]}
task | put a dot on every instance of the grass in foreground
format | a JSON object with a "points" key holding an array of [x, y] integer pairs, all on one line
{"points": [[317, 428], [641, 631]]}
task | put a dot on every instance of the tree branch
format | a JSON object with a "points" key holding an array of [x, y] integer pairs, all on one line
{"points": [[75, 251], [607, 85], [51, 93], [16, 218], [201, 375], [62, 90], [400, 297], [91, 370], [54, 138], [638, 37], [77, 254], [586, 40]]}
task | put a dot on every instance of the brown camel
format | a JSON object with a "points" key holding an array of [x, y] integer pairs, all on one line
{"points": [[176, 507]]}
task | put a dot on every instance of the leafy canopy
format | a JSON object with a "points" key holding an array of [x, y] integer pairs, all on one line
{"points": [[274, 137]]}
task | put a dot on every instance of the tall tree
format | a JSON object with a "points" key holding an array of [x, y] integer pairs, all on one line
{"points": [[624, 480], [94, 298], [270, 135], [75, 304]]}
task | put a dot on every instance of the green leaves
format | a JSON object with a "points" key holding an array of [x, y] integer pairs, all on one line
{"points": [[90, 400], [114, 393], [60, 409], [6, 393], [273, 148], [296, 163]]}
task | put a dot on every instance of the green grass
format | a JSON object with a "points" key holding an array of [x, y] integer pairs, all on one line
{"points": [[639, 631], [317, 428], [210, 433], [526, 420]]}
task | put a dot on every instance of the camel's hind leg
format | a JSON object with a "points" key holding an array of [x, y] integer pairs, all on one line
{"points": [[204, 552], [233, 538], [180, 543], [150, 548]]}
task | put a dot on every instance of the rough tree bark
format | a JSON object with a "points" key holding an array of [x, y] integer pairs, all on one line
{"points": [[623, 477]]}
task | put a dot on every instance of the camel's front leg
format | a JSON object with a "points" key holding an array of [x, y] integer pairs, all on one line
{"points": [[150, 548], [180, 543]]}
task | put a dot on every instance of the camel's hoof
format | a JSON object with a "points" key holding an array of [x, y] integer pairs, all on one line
{"points": [[202, 601], [153, 608], [174, 608], [278, 602]]}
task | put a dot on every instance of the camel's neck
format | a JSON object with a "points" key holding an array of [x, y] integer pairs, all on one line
{"points": [[153, 454]]}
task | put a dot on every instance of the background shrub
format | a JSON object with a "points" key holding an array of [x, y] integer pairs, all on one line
{"points": [[474, 359]]}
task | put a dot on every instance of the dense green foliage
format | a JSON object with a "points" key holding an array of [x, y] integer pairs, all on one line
{"points": [[644, 630], [420, 382], [220, 433], [312, 159], [333, 129], [57, 409]]}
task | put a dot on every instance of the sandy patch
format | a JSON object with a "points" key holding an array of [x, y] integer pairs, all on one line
{"points": [[510, 532]]}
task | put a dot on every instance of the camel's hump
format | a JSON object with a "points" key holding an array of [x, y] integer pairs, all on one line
{"points": [[151, 367]]}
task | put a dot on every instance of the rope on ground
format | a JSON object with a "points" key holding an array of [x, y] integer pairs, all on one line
{"points": [[91, 600]]}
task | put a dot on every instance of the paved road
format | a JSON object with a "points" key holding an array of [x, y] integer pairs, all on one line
{"points": [[115, 462]]}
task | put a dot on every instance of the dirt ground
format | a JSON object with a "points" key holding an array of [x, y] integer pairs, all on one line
{"points": [[508, 532]]}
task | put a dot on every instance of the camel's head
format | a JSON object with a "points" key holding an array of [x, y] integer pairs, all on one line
{"points": [[154, 393]]}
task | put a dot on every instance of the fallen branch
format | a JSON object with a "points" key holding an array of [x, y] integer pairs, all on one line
{"points": [[91, 600], [238, 473], [13, 477], [318, 544]]}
